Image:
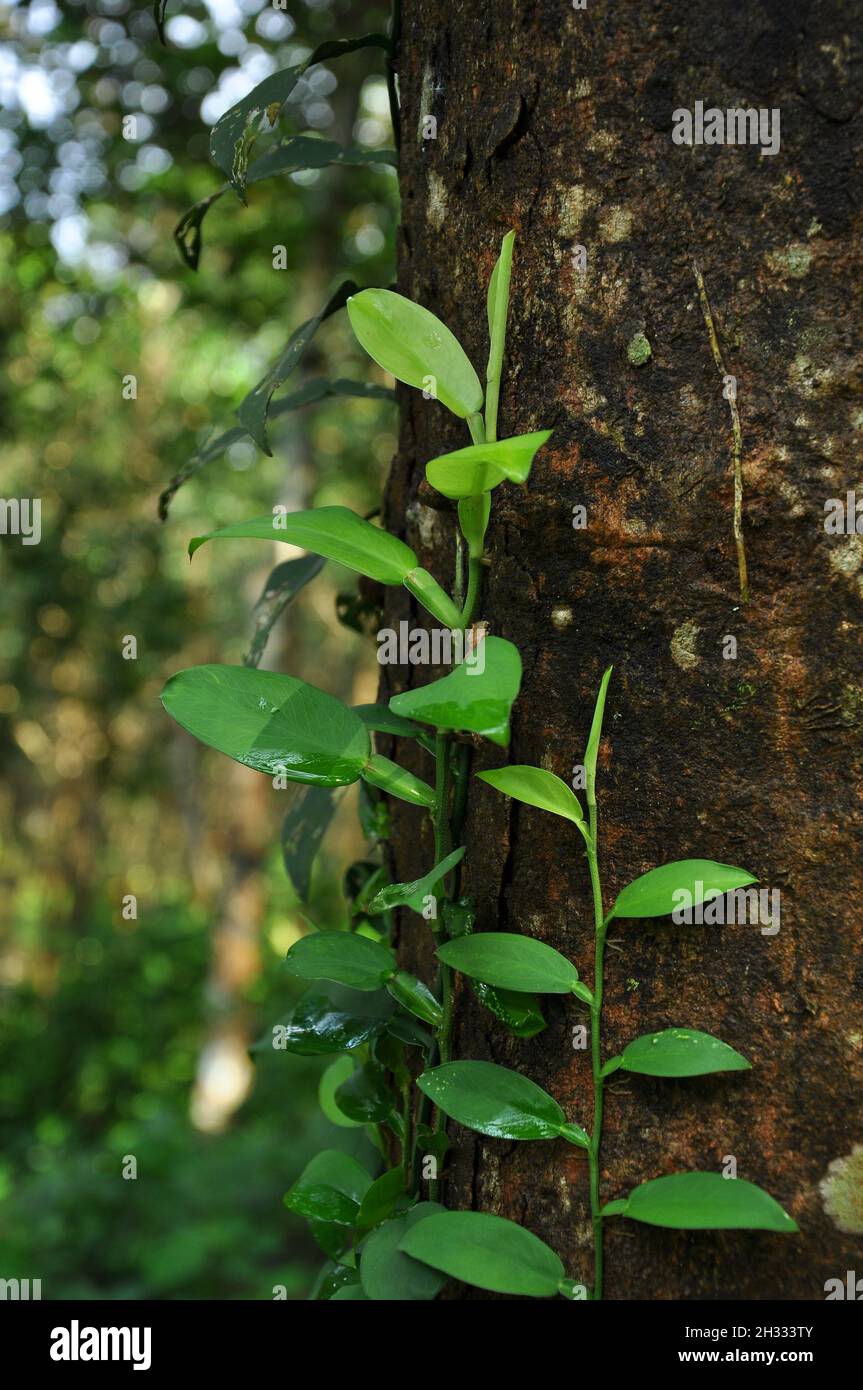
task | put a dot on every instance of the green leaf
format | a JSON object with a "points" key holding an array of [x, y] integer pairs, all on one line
{"points": [[388, 1274], [498, 307], [283, 585], [254, 409], [704, 1202], [382, 1198], [414, 893], [335, 1075], [330, 1188], [480, 467], [425, 587], [380, 772], [594, 737], [159, 8], [473, 515], [331, 1278], [303, 831], [340, 956], [469, 699], [331, 1018], [536, 787], [234, 133], [414, 346], [336, 532], [493, 1100], [365, 1096], [318, 389], [416, 997], [680, 1052], [379, 719], [654, 894], [520, 1013], [349, 1293], [275, 724], [511, 962], [486, 1251]]}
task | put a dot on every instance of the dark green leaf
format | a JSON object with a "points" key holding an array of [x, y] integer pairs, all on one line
{"points": [[493, 1100], [365, 1096], [704, 1202], [330, 1189], [334, 1019], [470, 699], [379, 719], [285, 582], [303, 830], [159, 8], [680, 1052], [389, 1275], [511, 961], [343, 957], [382, 1198], [416, 997], [349, 1293], [487, 1251], [336, 532], [680, 884], [520, 1013], [413, 894], [335, 1075], [331, 1278], [234, 133], [254, 410], [410, 343], [275, 724]]}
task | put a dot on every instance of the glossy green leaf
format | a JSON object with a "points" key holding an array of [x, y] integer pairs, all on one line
{"points": [[680, 1052], [704, 1202], [343, 957], [518, 1012], [389, 777], [413, 345], [414, 893], [469, 699], [349, 1293], [535, 787], [330, 1188], [336, 1074], [318, 389], [388, 1274], [594, 737], [385, 1194], [332, 1018], [254, 410], [303, 831], [486, 1251], [379, 719], [234, 133], [511, 962], [336, 532], [416, 997], [493, 1100], [480, 467], [275, 724], [330, 1279], [365, 1096], [498, 308], [473, 515], [654, 894], [425, 587]]}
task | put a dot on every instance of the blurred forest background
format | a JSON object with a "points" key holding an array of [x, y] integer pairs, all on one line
{"points": [[124, 1036]]}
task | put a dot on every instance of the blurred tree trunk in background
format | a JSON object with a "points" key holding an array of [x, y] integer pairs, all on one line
{"points": [[558, 122]]}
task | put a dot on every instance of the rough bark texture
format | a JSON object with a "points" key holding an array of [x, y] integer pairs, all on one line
{"points": [[557, 123]]}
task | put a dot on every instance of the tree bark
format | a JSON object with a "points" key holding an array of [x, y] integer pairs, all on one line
{"points": [[558, 122]]}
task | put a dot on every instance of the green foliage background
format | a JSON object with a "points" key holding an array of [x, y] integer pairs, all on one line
{"points": [[103, 1021]]}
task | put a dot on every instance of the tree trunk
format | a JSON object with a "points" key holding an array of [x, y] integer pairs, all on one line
{"points": [[557, 122]]}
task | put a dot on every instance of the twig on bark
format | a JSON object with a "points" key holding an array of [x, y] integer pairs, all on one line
{"points": [[737, 447]]}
